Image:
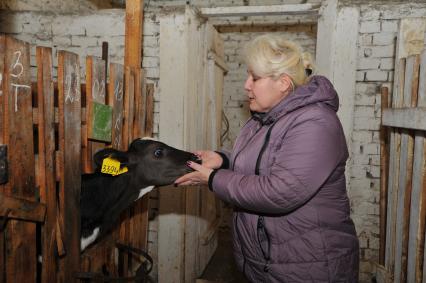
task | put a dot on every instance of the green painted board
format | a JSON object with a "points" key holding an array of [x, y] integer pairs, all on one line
{"points": [[101, 118]]}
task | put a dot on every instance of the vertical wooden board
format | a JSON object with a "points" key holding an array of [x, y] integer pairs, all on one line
{"points": [[418, 217], [20, 236], [395, 142], [404, 184], [95, 92], [149, 124], [2, 56], [129, 93], [139, 102], [133, 33], [139, 220], [116, 89], [46, 161], [70, 166], [384, 170]]}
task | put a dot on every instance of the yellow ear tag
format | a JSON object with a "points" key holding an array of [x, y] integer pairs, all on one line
{"points": [[112, 167]]}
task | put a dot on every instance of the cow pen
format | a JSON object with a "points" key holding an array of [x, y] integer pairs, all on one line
{"points": [[49, 130]]}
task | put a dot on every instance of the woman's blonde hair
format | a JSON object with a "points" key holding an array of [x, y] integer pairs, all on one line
{"points": [[270, 55]]}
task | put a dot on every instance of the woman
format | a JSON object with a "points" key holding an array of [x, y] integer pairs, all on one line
{"points": [[286, 174]]}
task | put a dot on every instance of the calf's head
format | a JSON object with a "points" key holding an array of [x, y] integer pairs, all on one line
{"points": [[151, 162]]}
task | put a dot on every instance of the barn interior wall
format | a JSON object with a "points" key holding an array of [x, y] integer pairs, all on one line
{"points": [[81, 26]]}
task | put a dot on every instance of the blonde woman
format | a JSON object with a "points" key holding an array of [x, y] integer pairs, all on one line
{"points": [[286, 174]]}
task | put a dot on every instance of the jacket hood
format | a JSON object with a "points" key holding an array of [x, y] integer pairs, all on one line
{"points": [[318, 90]]}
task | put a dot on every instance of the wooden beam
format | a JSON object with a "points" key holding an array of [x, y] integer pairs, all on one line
{"points": [[23, 209], [407, 117], [133, 37], [242, 11]]}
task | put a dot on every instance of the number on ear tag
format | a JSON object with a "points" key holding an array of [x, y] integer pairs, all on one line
{"points": [[112, 167]]}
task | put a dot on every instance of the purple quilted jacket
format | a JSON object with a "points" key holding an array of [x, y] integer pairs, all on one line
{"points": [[286, 180]]}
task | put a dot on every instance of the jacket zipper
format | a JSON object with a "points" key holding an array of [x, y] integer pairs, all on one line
{"points": [[262, 233], [260, 221]]}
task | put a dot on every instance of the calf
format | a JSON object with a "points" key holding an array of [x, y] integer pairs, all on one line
{"points": [[103, 197]]}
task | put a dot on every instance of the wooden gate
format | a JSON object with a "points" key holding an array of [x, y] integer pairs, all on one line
{"points": [[49, 131], [403, 188]]}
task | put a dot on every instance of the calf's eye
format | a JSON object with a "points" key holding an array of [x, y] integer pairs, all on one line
{"points": [[158, 152]]}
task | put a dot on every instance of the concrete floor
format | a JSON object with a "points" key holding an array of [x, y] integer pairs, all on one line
{"points": [[221, 268]]}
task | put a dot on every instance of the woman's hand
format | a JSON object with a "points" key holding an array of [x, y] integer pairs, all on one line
{"points": [[199, 177], [210, 159]]}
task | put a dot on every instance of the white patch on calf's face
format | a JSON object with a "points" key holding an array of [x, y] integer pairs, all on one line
{"points": [[144, 191], [87, 241]]}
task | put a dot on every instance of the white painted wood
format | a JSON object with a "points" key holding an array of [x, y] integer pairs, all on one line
{"points": [[411, 36], [336, 59], [241, 11], [326, 29], [408, 118], [188, 120], [172, 87]]}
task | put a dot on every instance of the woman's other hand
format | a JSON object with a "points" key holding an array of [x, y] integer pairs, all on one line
{"points": [[210, 159], [200, 176]]}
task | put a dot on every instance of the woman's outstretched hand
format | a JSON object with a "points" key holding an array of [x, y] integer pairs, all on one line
{"points": [[200, 176], [210, 160]]}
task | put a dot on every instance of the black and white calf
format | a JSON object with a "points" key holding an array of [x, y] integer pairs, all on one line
{"points": [[103, 197]]}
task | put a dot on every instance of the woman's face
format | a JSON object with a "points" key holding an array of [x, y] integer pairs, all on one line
{"points": [[265, 92]]}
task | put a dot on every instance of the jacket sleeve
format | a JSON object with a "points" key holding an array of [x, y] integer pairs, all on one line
{"points": [[309, 153]]}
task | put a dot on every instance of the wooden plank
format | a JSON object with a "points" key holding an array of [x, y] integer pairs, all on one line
{"points": [[149, 125], [140, 104], [384, 170], [129, 92], [69, 104], [417, 240], [404, 184], [116, 89], [395, 142], [133, 34], [95, 92], [16, 208], [405, 117], [46, 159], [20, 249], [243, 11], [2, 70]]}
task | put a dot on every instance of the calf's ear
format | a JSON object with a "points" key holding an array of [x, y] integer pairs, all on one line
{"points": [[110, 152]]}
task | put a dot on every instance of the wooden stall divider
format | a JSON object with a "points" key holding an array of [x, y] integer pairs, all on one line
{"points": [[20, 259], [69, 103]]}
